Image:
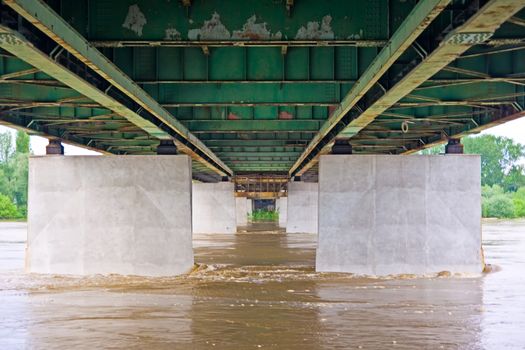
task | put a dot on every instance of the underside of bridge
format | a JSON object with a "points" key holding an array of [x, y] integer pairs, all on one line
{"points": [[260, 86], [258, 93]]}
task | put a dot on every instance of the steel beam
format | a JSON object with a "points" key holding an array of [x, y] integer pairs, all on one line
{"points": [[230, 43], [253, 125], [415, 23], [477, 29], [45, 19], [499, 117], [12, 121]]}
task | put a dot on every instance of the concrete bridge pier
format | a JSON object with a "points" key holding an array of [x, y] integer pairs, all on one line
{"points": [[241, 206], [382, 214], [281, 205], [128, 215], [214, 208], [302, 207]]}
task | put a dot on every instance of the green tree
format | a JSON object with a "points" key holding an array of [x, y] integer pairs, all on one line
{"points": [[6, 146], [499, 159], [7, 208], [491, 191], [519, 202], [498, 206], [22, 142], [14, 169]]}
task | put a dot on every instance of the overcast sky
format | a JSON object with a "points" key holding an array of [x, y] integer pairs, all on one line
{"points": [[514, 130]]}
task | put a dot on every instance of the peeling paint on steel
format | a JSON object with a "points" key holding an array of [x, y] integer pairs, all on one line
{"points": [[316, 30], [356, 36], [172, 34], [285, 115], [212, 29], [135, 20], [252, 30]]}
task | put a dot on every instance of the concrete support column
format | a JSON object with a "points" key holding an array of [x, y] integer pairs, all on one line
{"points": [[214, 208], [381, 215], [249, 207], [127, 215], [241, 205], [302, 207], [281, 205]]}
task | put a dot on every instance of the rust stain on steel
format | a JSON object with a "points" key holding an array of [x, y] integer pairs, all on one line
{"points": [[212, 29], [283, 115], [233, 116], [251, 30]]}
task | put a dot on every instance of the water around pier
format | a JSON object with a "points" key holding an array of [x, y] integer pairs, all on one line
{"points": [[258, 289]]}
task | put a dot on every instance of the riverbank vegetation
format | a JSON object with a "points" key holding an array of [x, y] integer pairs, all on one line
{"points": [[262, 215], [14, 155], [502, 174]]}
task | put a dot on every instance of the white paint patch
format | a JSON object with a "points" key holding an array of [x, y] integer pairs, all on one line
{"points": [[135, 20], [356, 36], [211, 30], [316, 30], [252, 30], [172, 34]]}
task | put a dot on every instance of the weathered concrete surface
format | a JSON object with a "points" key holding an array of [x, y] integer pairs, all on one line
{"points": [[381, 215], [302, 207], [214, 208], [241, 205], [127, 215], [281, 205], [249, 206]]}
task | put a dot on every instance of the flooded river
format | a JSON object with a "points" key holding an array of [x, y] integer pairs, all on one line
{"points": [[258, 289]]}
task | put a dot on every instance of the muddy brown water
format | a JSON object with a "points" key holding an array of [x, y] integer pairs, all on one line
{"points": [[258, 289]]}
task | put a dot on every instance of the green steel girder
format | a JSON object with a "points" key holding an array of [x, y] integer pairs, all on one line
{"points": [[258, 106], [415, 23], [272, 94], [258, 154], [252, 125], [479, 26], [40, 15], [263, 20], [253, 149], [241, 64], [214, 144], [258, 136], [486, 121], [36, 128], [251, 113]]}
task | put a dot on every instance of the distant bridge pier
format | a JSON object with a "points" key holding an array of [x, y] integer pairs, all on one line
{"points": [[241, 207], [302, 207], [214, 208], [383, 214], [128, 215], [249, 206], [281, 205]]}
